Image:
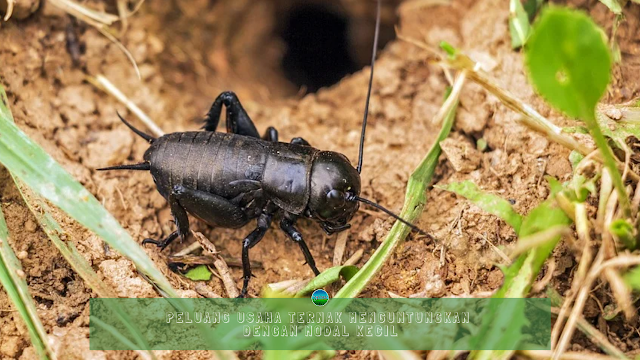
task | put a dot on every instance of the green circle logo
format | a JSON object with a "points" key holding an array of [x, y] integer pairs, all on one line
{"points": [[320, 297]]}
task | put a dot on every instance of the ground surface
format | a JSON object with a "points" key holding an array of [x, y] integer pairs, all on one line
{"points": [[187, 54]]}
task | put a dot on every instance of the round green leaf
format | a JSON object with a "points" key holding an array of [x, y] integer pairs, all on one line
{"points": [[568, 60], [199, 273]]}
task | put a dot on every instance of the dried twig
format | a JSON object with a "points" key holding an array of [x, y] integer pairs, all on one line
{"points": [[545, 354], [355, 257], [219, 263], [582, 228], [596, 336], [341, 245]]}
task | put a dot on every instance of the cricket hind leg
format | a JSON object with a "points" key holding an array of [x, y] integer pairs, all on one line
{"points": [[180, 218], [211, 208], [238, 121]]}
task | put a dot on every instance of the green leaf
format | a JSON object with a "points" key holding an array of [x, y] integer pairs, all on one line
{"points": [[575, 158], [448, 48], [490, 203], [632, 278], [481, 144], [42, 174], [521, 274], [518, 24], [575, 130], [501, 328], [519, 277], [532, 7], [199, 273], [569, 61], [613, 5], [624, 232], [327, 277]]}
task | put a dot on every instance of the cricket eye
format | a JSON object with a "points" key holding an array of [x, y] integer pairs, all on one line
{"points": [[335, 198]]}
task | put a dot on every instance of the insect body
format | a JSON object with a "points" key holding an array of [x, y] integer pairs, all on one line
{"points": [[228, 179]]}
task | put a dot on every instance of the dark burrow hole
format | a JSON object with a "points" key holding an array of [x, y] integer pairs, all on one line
{"points": [[324, 44]]}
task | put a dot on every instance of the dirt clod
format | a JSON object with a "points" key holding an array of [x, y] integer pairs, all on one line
{"points": [[462, 154]]}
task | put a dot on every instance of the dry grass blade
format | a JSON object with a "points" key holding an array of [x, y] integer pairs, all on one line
{"points": [[578, 307], [596, 336], [341, 245], [527, 243], [596, 269], [398, 355], [92, 17], [546, 354], [104, 84], [582, 227], [355, 257], [10, 6]]}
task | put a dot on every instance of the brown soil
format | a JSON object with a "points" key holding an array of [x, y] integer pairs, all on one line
{"points": [[188, 52]]}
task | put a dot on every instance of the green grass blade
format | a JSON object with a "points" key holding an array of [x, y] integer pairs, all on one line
{"points": [[519, 277], [50, 226], [113, 331], [16, 287], [32, 165], [415, 200], [519, 27], [490, 203], [327, 277]]}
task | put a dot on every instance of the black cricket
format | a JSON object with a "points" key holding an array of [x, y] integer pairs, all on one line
{"points": [[228, 179]]}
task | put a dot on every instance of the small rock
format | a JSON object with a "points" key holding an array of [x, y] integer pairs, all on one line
{"points": [[109, 148], [10, 346], [558, 166], [30, 226], [462, 155], [122, 275], [22, 255], [614, 113]]}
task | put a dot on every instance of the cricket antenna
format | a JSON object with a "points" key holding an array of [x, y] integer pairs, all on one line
{"points": [[366, 106], [390, 213]]}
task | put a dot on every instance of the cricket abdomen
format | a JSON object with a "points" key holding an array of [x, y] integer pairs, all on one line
{"points": [[205, 161]]}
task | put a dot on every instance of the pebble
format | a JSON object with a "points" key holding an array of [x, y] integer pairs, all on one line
{"points": [[30, 226]]}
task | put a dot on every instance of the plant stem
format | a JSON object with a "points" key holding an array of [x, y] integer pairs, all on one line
{"points": [[609, 161]]}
